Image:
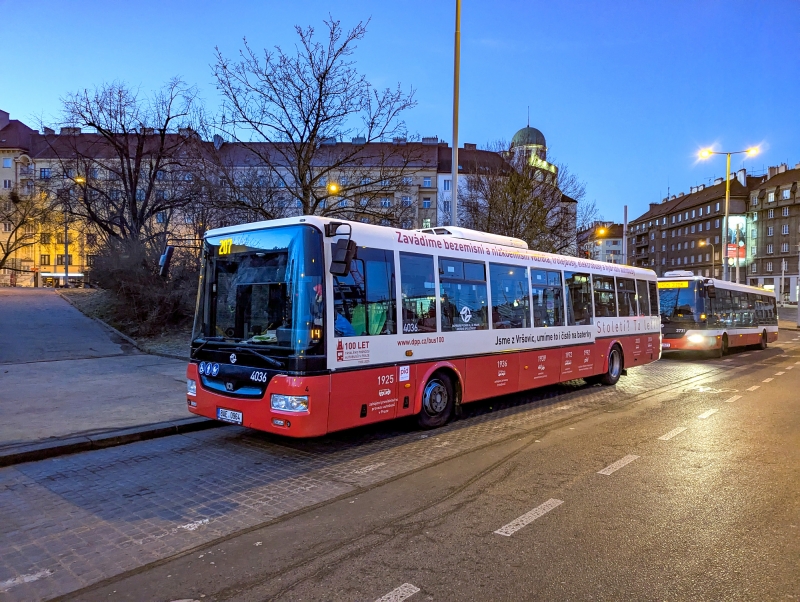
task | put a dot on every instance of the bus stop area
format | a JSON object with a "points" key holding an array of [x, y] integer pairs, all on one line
{"points": [[68, 383]]}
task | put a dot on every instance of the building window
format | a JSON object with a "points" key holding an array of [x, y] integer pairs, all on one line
{"points": [[663, 248], [716, 221], [426, 223], [785, 194], [769, 266], [679, 218], [770, 214], [785, 212], [408, 181], [446, 206], [754, 200], [44, 259], [753, 233], [716, 240], [7, 226], [44, 173], [406, 224], [673, 219], [6, 184], [91, 240], [446, 185], [44, 238], [679, 246], [771, 197], [770, 231], [693, 214], [60, 259], [770, 249], [717, 207], [426, 203], [785, 229], [406, 201], [753, 251], [161, 217], [753, 268], [700, 227], [6, 162], [692, 228], [386, 202], [784, 247], [426, 182]]}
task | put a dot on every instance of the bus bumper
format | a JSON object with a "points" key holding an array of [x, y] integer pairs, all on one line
{"points": [[259, 413]]}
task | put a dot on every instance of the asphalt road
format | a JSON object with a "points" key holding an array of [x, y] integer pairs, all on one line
{"points": [[681, 483]]}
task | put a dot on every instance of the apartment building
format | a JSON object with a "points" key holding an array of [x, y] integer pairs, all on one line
{"points": [[602, 241]]}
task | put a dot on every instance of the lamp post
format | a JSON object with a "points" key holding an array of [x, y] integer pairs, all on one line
{"points": [[705, 154], [703, 243], [456, 86]]}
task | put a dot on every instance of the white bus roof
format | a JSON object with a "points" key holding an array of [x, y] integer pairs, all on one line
{"points": [[444, 243], [476, 235]]}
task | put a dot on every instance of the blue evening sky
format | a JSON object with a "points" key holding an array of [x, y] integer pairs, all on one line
{"points": [[625, 92]]}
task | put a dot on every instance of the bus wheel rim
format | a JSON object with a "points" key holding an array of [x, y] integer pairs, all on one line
{"points": [[435, 398], [613, 367]]}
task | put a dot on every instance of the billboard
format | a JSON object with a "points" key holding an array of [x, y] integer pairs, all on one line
{"points": [[736, 241]]}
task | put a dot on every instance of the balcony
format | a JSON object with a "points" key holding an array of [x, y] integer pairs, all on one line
{"points": [[26, 172]]}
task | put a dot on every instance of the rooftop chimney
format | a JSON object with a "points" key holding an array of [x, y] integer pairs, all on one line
{"points": [[70, 131], [680, 194], [781, 167], [432, 140], [470, 146], [718, 181], [359, 140], [771, 172], [4, 119], [741, 175], [48, 131], [399, 140]]}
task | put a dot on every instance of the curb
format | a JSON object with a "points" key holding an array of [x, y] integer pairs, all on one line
{"points": [[122, 334], [43, 450]]}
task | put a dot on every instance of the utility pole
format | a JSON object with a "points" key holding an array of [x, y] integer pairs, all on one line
{"points": [[625, 235], [456, 76]]}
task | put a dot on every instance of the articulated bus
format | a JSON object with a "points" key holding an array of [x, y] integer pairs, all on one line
{"points": [[704, 314], [306, 325]]}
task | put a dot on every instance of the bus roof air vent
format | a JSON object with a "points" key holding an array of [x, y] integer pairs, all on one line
{"points": [[678, 274], [476, 236]]}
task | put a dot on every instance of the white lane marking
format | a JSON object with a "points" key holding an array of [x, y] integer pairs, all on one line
{"points": [[732, 399], [728, 360], [744, 355], [767, 380], [618, 464], [29, 578], [672, 433], [780, 373], [369, 468], [399, 593], [708, 413], [754, 387], [797, 363], [195, 525], [527, 518], [788, 367]]}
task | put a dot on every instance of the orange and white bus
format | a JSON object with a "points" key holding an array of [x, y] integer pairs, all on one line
{"points": [[704, 314], [308, 325]]}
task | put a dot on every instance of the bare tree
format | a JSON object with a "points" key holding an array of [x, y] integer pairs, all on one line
{"points": [[293, 110], [20, 218], [514, 197], [138, 164]]}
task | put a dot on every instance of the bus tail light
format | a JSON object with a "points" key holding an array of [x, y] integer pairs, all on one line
{"points": [[289, 403]]}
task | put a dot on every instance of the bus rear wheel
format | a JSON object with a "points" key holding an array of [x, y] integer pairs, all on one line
{"points": [[762, 344], [614, 371], [438, 400]]}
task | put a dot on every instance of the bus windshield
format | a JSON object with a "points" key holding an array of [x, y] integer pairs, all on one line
{"points": [[263, 288], [678, 301]]}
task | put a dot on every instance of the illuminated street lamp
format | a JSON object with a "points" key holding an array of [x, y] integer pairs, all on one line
{"points": [[705, 154], [703, 243], [333, 188]]}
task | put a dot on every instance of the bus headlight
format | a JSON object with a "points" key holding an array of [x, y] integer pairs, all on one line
{"points": [[191, 387], [696, 338], [289, 403]]}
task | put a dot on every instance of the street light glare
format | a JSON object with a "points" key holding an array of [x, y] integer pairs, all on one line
{"points": [[333, 188], [752, 152], [80, 179], [706, 153], [601, 231]]}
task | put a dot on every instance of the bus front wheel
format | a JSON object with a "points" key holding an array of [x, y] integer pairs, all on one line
{"points": [[723, 346], [614, 371], [438, 400]]}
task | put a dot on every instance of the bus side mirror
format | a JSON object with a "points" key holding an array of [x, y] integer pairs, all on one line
{"points": [[164, 261], [344, 251], [711, 291]]}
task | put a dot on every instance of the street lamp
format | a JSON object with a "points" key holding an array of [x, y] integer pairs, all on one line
{"points": [[77, 180], [705, 154], [703, 243]]}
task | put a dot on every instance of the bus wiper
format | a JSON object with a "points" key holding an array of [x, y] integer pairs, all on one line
{"points": [[204, 343], [269, 360]]}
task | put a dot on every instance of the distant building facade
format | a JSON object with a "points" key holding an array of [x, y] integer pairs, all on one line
{"points": [[602, 241]]}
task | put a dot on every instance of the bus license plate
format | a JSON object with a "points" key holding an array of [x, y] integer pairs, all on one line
{"points": [[229, 416], [665, 345]]}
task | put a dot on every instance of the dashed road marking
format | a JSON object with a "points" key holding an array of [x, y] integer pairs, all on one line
{"points": [[708, 413], [527, 518], [744, 355], [754, 387], [29, 578], [780, 373], [767, 380], [728, 360], [399, 593], [618, 464], [193, 526], [732, 399], [672, 433]]}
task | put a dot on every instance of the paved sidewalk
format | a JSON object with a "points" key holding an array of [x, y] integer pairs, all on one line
{"points": [[63, 374]]}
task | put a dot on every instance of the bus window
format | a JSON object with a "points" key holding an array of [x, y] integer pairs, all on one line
{"points": [[579, 299], [626, 289], [364, 300], [605, 298], [548, 302], [723, 307], [510, 296], [750, 310], [641, 297], [462, 287], [678, 300], [418, 292], [653, 287]]}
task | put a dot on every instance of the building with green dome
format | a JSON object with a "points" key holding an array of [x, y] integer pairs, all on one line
{"points": [[531, 143]]}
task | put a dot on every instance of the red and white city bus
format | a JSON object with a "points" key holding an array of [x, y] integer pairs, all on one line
{"points": [[704, 314], [308, 325]]}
